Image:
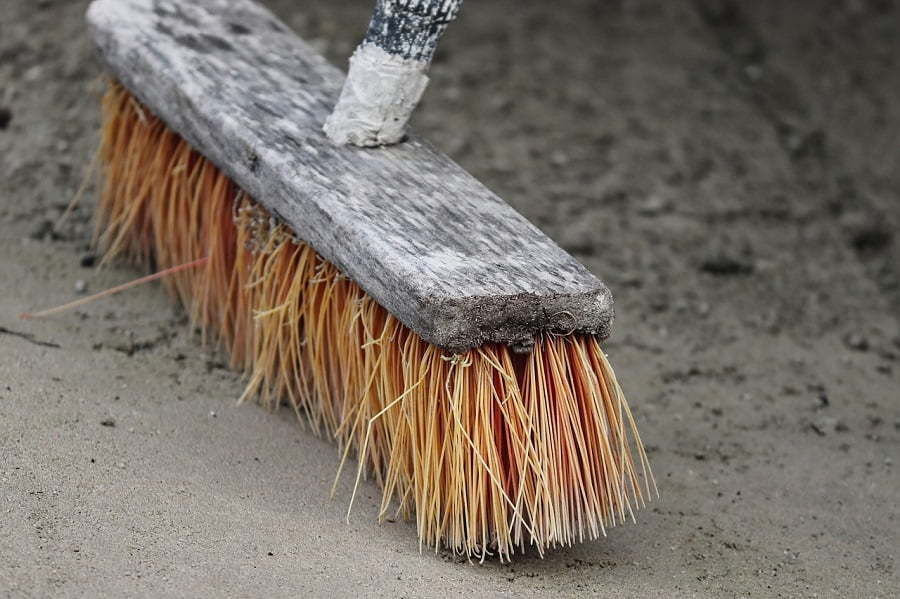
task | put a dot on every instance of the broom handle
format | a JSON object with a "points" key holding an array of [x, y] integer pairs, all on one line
{"points": [[410, 29], [387, 74]]}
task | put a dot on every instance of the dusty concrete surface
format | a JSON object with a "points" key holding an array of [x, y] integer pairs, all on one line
{"points": [[731, 174]]}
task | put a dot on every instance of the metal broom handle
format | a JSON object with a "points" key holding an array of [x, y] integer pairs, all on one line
{"points": [[388, 71]]}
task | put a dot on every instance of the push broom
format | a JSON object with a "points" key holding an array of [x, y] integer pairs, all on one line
{"points": [[397, 304]]}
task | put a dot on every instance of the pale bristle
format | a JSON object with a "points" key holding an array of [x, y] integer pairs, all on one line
{"points": [[491, 451]]}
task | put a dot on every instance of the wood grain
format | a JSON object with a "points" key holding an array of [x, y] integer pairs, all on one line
{"points": [[429, 242]]}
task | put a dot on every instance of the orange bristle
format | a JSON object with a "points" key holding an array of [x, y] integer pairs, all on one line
{"points": [[490, 450]]}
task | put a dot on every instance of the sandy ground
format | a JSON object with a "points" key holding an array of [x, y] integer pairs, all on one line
{"points": [[732, 174]]}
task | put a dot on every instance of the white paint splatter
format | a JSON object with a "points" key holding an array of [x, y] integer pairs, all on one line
{"points": [[378, 99]]}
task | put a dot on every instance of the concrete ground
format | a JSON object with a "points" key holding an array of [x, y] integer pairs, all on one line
{"points": [[732, 172]]}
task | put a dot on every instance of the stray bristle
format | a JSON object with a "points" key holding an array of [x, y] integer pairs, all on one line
{"points": [[490, 450]]}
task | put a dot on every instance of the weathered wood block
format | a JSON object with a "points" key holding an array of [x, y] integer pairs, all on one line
{"points": [[431, 244]]}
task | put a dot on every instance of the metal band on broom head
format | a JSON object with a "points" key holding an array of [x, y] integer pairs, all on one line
{"points": [[385, 294]]}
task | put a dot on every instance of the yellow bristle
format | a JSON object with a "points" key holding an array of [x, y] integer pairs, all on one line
{"points": [[491, 451]]}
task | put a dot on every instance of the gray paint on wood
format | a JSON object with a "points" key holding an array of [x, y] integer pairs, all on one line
{"points": [[429, 242]]}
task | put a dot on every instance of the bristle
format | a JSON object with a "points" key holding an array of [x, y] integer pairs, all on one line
{"points": [[491, 451]]}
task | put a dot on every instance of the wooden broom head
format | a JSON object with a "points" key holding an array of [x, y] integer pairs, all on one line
{"points": [[490, 451], [432, 245]]}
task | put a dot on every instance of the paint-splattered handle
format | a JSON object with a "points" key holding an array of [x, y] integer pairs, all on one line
{"points": [[388, 71], [411, 29]]}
